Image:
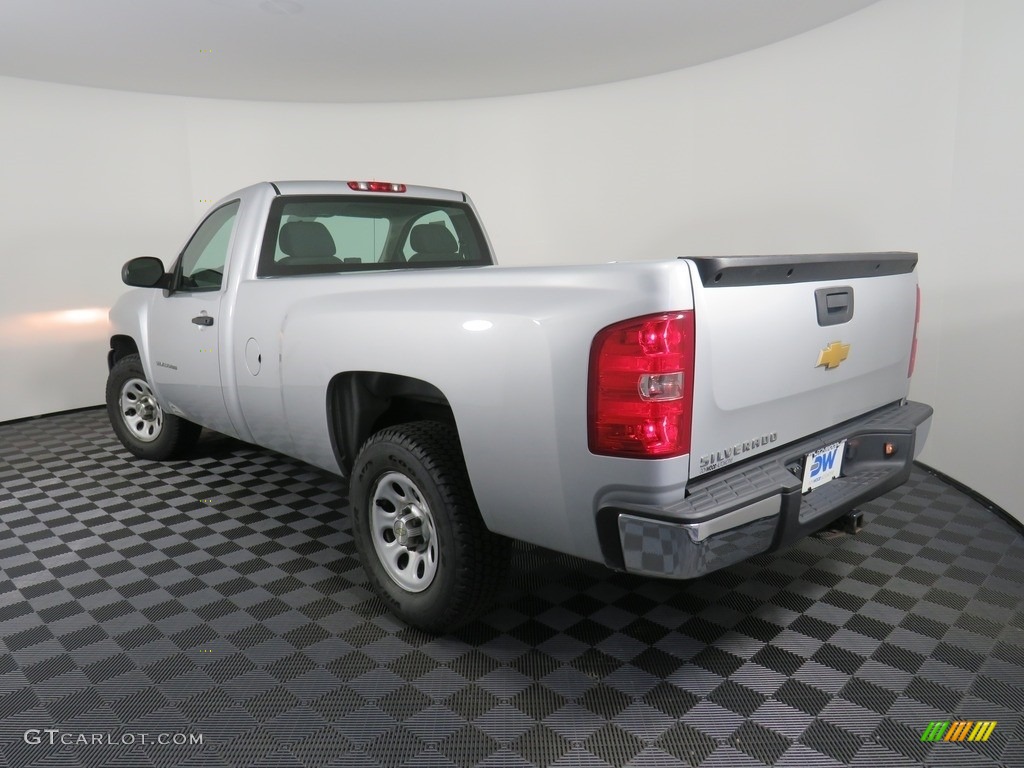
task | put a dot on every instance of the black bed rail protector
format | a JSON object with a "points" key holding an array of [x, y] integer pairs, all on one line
{"points": [[729, 271]]}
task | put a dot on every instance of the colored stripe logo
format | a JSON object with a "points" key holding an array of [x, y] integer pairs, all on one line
{"points": [[959, 730]]}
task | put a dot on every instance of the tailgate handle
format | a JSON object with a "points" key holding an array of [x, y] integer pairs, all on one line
{"points": [[835, 305]]}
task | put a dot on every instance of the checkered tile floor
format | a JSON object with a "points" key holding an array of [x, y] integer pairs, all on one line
{"points": [[220, 598]]}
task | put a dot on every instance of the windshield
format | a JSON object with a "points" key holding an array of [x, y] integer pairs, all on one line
{"points": [[326, 234]]}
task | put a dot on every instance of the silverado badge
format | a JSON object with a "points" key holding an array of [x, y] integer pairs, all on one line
{"points": [[832, 355]]}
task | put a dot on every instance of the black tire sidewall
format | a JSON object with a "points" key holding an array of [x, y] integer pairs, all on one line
{"points": [[430, 609]]}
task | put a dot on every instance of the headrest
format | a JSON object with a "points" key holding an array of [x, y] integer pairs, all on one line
{"points": [[432, 238], [307, 239]]}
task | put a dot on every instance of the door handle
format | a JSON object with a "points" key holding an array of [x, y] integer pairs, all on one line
{"points": [[202, 320]]}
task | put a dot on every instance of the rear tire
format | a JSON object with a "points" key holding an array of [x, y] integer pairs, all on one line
{"points": [[137, 418], [418, 529]]}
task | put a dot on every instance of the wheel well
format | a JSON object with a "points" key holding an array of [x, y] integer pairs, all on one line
{"points": [[361, 403], [120, 346]]}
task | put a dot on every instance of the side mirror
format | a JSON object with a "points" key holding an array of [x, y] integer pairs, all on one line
{"points": [[144, 272]]}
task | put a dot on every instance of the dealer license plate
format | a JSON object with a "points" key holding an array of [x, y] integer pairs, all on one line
{"points": [[823, 465]]}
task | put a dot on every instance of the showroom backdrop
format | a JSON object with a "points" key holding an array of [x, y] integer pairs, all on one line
{"points": [[896, 128]]}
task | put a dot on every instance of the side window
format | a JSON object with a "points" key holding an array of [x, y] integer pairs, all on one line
{"points": [[203, 260]]}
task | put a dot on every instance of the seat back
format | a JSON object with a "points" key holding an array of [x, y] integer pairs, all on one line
{"points": [[307, 242], [433, 242]]}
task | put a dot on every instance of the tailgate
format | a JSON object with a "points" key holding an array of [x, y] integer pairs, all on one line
{"points": [[787, 346]]}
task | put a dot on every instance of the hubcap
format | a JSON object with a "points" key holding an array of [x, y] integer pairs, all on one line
{"points": [[140, 410], [403, 532]]}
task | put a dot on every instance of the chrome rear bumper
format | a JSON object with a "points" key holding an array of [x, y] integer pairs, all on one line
{"points": [[757, 506]]}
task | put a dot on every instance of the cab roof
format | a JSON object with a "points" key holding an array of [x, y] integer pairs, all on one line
{"points": [[345, 188]]}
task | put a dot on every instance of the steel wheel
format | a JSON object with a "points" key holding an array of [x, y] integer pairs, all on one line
{"points": [[417, 528], [140, 410], [137, 418], [403, 531]]}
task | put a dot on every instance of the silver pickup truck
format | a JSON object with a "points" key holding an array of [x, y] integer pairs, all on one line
{"points": [[665, 418]]}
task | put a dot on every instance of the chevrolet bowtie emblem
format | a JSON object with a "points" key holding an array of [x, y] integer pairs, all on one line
{"points": [[832, 355]]}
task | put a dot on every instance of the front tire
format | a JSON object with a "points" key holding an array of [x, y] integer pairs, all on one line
{"points": [[138, 419], [418, 530]]}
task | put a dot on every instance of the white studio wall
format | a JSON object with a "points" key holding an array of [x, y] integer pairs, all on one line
{"points": [[896, 128], [88, 177]]}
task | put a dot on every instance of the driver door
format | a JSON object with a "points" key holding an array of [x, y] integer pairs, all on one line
{"points": [[185, 326]]}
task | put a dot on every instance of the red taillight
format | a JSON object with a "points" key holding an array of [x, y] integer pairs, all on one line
{"points": [[913, 344], [641, 387], [376, 186]]}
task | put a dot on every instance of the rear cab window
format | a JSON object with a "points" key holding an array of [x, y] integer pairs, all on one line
{"points": [[326, 234]]}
